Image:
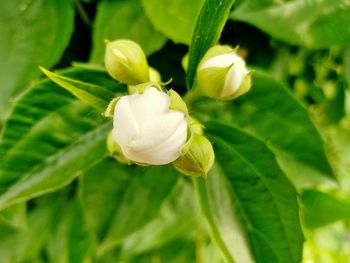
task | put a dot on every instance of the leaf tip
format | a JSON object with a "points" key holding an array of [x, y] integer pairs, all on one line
{"points": [[45, 71]]}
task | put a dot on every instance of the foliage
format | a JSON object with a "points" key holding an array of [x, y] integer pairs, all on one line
{"points": [[279, 188]]}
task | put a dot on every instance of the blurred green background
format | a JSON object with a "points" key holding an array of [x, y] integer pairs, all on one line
{"points": [[303, 44]]}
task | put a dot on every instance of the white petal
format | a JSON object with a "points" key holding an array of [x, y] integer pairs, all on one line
{"points": [[220, 61], [167, 151], [125, 126], [146, 130], [234, 78]]}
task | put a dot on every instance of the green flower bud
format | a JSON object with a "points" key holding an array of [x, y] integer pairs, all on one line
{"points": [[184, 62], [154, 75], [222, 74], [126, 62], [198, 159]]}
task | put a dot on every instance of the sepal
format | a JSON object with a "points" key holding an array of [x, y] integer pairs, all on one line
{"points": [[198, 159], [115, 151]]}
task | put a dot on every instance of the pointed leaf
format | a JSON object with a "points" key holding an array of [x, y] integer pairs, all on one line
{"points": [[262, 200], [271, 113], [50, 138], [209, 25], [26, 42], [321, 209], [93, 95]]}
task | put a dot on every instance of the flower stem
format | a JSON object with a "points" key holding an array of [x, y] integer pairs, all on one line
{"points": [[201, 190], [192, 95]]}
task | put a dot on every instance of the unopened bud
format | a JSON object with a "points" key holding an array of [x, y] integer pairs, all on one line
{"points": [[198, 159], [126, 62], [154, 75], [222, 74]]}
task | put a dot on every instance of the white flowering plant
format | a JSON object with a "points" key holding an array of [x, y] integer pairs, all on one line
{"points": [[200, 131]]}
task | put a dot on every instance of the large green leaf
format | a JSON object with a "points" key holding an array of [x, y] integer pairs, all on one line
{"points": [[26, 42], [321, 209], [15, 216], [50, 138], [315, 24], [177, 218], [174, 18], [69, 239], [270, 112], [179, 250], [119, 199], [247, 190], [123, 19], [209, 24], [25, 245]]}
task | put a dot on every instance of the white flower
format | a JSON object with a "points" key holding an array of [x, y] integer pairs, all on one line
{"points": [[222, 74], [146, 130]]}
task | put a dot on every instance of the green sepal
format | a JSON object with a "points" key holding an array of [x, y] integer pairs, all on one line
{"points": [[140, 89], [176, 102], [195, 126], [212, 80], [198, 159], [109, 112], [115, 150]]}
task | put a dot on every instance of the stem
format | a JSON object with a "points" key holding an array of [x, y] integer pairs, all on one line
{"points": [[199, 247], [192, 95], [201, 190]]}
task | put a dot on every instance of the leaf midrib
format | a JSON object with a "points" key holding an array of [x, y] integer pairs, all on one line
{"points": [[235, 152]]}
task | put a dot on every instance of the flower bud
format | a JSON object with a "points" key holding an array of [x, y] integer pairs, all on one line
{"points": [[222, 74], [126, 62], [154, 75], [148, 128], [198, 159]]}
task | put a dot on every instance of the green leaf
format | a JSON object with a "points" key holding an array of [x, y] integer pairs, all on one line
{"points": [[321, 209], [209, 25], [177, 218], [173, 18], [270, 112], [96, 96], [50, 138], [248, 194], [70, 240], [25, 245], [315, 24], [179, 250], [123, 199], [123, 19], [26, 42], [15, 216]]}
